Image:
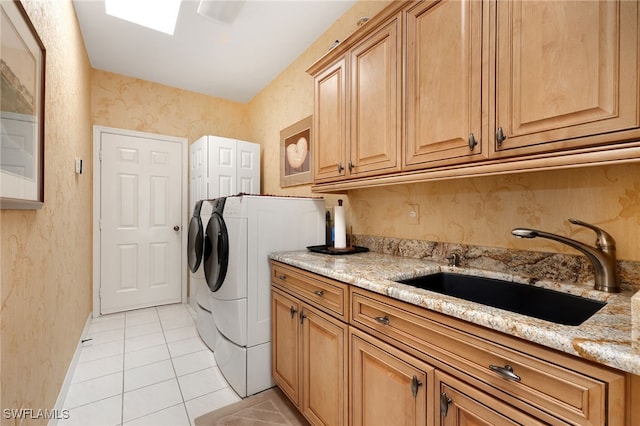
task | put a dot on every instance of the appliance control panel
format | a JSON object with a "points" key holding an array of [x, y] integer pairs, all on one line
{"points": [[232, 206]]}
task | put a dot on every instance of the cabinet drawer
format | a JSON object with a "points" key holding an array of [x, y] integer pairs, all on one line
{"points": [[323, 293], [449, 343]]}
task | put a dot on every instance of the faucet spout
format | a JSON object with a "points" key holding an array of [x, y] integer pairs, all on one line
{"points": [[602, 256]]}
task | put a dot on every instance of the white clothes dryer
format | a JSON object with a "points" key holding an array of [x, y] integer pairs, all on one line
{"points": [[205, 322], [237, 248]]}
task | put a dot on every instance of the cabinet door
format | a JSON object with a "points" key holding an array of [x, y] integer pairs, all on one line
{"points": [[462, 404], [565, 70], [330, 124], [285, 344], [444, 91], [324, 368], [222, 167], [247, 167], [388, 387], [376, 69]]}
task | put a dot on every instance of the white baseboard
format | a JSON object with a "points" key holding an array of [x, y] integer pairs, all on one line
{"points": [[64, 389]]}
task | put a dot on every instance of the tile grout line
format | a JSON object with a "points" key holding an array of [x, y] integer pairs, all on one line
{"points": [[124, 341], [165, 345], [184, 405], [123, 345], [154, 412], [174, 372], [155, 309]]}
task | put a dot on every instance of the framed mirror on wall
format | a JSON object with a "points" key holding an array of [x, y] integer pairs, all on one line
{"points": [[22, 68]]}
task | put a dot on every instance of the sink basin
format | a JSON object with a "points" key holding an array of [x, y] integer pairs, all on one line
{"points": [[524, 299]]}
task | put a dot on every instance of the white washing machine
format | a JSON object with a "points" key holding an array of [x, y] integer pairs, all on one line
{"points": [[205, 322], [239, 238]]}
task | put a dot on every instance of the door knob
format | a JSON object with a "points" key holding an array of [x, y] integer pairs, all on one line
{"points": [[176, 228]]}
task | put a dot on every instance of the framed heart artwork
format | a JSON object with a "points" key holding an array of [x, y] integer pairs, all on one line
{"points": [[295, 153]]}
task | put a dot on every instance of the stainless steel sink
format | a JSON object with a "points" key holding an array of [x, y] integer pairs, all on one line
{"points": [[524, 299]]}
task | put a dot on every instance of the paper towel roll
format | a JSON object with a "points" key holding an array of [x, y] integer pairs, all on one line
{"points": [[340, 233]]}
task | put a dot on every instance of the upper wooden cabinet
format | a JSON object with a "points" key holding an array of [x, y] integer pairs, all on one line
{"points": [[358, 108], [448, 88], [376, 68], [446, 49], [566, 74], [330, 122]]}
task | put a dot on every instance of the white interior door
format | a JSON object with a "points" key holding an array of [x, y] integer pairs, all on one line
{"points": [[141, 243]]}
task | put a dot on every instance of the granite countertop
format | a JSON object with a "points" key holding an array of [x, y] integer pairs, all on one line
{"points": [[605, 338]]}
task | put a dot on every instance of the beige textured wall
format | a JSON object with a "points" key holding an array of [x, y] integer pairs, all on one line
{"points": [[477, 211], [134, 104], [46, 254], [482, 211], [289, 98]]}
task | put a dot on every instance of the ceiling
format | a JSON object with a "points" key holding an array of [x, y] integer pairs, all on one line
{"points": [[230, 61]]}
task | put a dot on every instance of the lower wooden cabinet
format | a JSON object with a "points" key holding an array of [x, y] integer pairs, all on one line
{"points": [[396, 363], [285, 344], [309, 351], [388, 387], [461, 404], [324, 368]]}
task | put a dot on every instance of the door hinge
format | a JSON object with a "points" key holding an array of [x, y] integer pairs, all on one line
{"points": [[99, 155]]}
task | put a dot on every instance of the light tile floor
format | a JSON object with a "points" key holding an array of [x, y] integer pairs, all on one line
{"points": [[145, 367]]}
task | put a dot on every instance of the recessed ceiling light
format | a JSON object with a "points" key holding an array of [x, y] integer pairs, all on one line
{"points": [[159, 15]]}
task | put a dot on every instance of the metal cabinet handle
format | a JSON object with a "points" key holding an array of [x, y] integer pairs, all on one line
{"points": [[319, 293], [302, 317], [472, 141], [351, 166], [282, 277], [382, 320], [293, 311], [500, 136], [415, 384], [340, 168], [505, 372], [444, 404]]}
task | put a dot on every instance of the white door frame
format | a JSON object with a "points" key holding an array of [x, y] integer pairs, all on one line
{"points": [[97, 172]]}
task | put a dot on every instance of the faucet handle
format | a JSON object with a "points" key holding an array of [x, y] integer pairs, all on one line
{"points": [[603, 239]]}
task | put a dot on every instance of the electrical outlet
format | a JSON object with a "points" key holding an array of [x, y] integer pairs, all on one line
{"points": [[413, 215]]}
